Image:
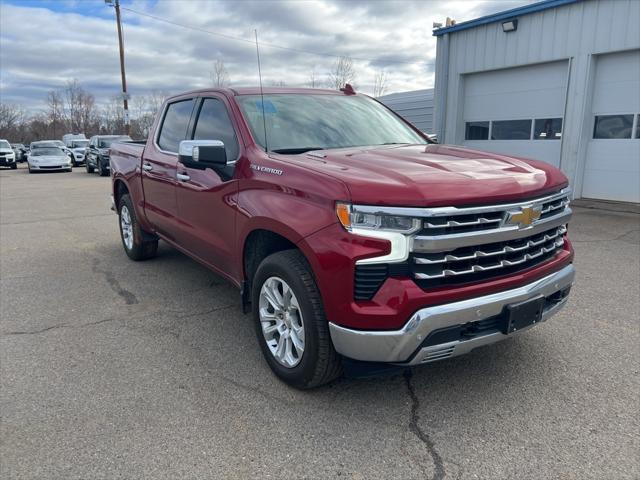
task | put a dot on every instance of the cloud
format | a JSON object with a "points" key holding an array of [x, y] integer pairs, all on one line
{"points": [[45, 44]]}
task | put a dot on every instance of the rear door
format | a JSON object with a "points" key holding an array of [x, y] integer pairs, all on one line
{"points": [[207, 201], [159, 161]]}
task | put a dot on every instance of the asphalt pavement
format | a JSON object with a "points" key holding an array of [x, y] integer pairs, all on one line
{"points": [[116, 369]]}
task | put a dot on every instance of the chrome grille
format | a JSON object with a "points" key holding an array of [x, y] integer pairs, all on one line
{"points": [[469, 264]]}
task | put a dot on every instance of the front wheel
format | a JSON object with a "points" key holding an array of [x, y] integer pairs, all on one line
{"points": [[290, 323], [88, 167], [102, 169], [137, 244], [14, 165]]}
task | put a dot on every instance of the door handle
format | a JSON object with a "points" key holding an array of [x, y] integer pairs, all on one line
{"points": [[182, 177], [147, 167]]}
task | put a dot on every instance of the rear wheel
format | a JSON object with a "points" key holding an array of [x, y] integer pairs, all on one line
{"points": [[138, 244], [290, 323]]}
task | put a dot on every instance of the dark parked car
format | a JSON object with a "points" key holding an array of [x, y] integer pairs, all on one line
{"points": [[20, 150], [97, 154]]}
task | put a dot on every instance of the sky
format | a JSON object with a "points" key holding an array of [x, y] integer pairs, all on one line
{"points": [[45, 43]]}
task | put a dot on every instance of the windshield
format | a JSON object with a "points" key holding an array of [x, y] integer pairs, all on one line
{"points": [[106, 142], [79, 143], [298, 123], [41, 151], [4, 144]]}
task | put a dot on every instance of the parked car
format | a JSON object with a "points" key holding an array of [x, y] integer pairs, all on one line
{"points": [[97, 154], [79, 148], [53, 143], [21, 152], [48, 158], [70, 137], [352, 238], [7, 155]]}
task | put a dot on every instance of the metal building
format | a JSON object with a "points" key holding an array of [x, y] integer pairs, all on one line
{"points": [[415, 106], [557, 81]]}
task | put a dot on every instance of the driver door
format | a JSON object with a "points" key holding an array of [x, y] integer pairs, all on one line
{"points": [[206, 199]]}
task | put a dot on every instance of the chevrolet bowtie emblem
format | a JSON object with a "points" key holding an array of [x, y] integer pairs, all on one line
{"points": [[525, 217]]}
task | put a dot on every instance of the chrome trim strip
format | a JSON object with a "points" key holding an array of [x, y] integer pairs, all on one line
{"points": [[451, 211], [480, 254], [444, 243], [397, 346]]}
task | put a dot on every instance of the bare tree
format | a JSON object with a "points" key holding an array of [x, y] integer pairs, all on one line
{"points": [[343, 72], [12, 120], [79, 106], [380, 83], [112, 116], [55, 112], [220, 75], [313, 78]]}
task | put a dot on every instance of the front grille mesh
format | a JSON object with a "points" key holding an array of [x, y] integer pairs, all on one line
{"points": [[485, 261]]}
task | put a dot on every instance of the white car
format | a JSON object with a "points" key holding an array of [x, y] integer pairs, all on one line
{"points": [[78, 147], [47, 159], [7, 155]]}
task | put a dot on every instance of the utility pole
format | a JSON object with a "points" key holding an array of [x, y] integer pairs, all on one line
{"points": [[125, 95]]}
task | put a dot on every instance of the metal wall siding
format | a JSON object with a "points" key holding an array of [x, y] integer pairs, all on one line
{"points": [[575, 31], [416, 107]]}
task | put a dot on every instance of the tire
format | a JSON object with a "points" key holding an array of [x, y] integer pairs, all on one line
{"points": [[14, 165], [101, 170], [319, 363], [88, 167], [143, 245]]}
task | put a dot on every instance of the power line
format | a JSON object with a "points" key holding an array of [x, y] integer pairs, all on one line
{"points": [[272, 45]]}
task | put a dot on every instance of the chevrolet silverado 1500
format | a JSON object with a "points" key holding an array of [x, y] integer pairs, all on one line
{"points": [[352, 238]]}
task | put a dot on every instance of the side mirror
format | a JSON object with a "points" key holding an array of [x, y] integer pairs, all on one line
{"points": [[202, 153]]}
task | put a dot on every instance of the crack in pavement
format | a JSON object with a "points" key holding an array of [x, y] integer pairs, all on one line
{"points": [[54, 327], [128, 296], [439, 473]]}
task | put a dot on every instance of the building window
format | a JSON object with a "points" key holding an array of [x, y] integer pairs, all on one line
{"points": [[613, 126], [547, 129], [476, 131], [511, 130]]}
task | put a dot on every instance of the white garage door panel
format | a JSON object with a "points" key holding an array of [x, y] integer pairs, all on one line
{"points": [[548, 151], [617, 83], [612, 166], [522, 92]]}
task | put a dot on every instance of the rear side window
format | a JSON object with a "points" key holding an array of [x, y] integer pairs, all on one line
{"points": [[175, 124], [214, 124]]}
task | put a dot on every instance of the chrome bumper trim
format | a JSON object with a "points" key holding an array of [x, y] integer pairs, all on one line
{"points": [[397, 346]]}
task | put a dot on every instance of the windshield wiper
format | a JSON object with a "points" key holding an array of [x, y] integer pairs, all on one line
{"points": [[296, 150]]}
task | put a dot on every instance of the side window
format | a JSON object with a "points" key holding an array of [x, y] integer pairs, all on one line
{"points": [[613, 126], [174, 125], [214, 124]]}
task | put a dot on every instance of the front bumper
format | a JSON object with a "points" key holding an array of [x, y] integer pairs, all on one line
{"points": [[413, 343], [7, 161]]}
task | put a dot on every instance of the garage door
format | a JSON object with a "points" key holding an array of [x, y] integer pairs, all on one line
{"points": [[612, 164], [518, 111]]}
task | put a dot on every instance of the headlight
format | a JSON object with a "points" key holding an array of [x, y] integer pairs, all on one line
{"points": [[353, 217]]}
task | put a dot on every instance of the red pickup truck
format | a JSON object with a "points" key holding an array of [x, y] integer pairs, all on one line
{"points": [[352, 238]]}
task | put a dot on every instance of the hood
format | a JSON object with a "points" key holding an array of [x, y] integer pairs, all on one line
{"points": [[433, 175], [6, 150]]}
